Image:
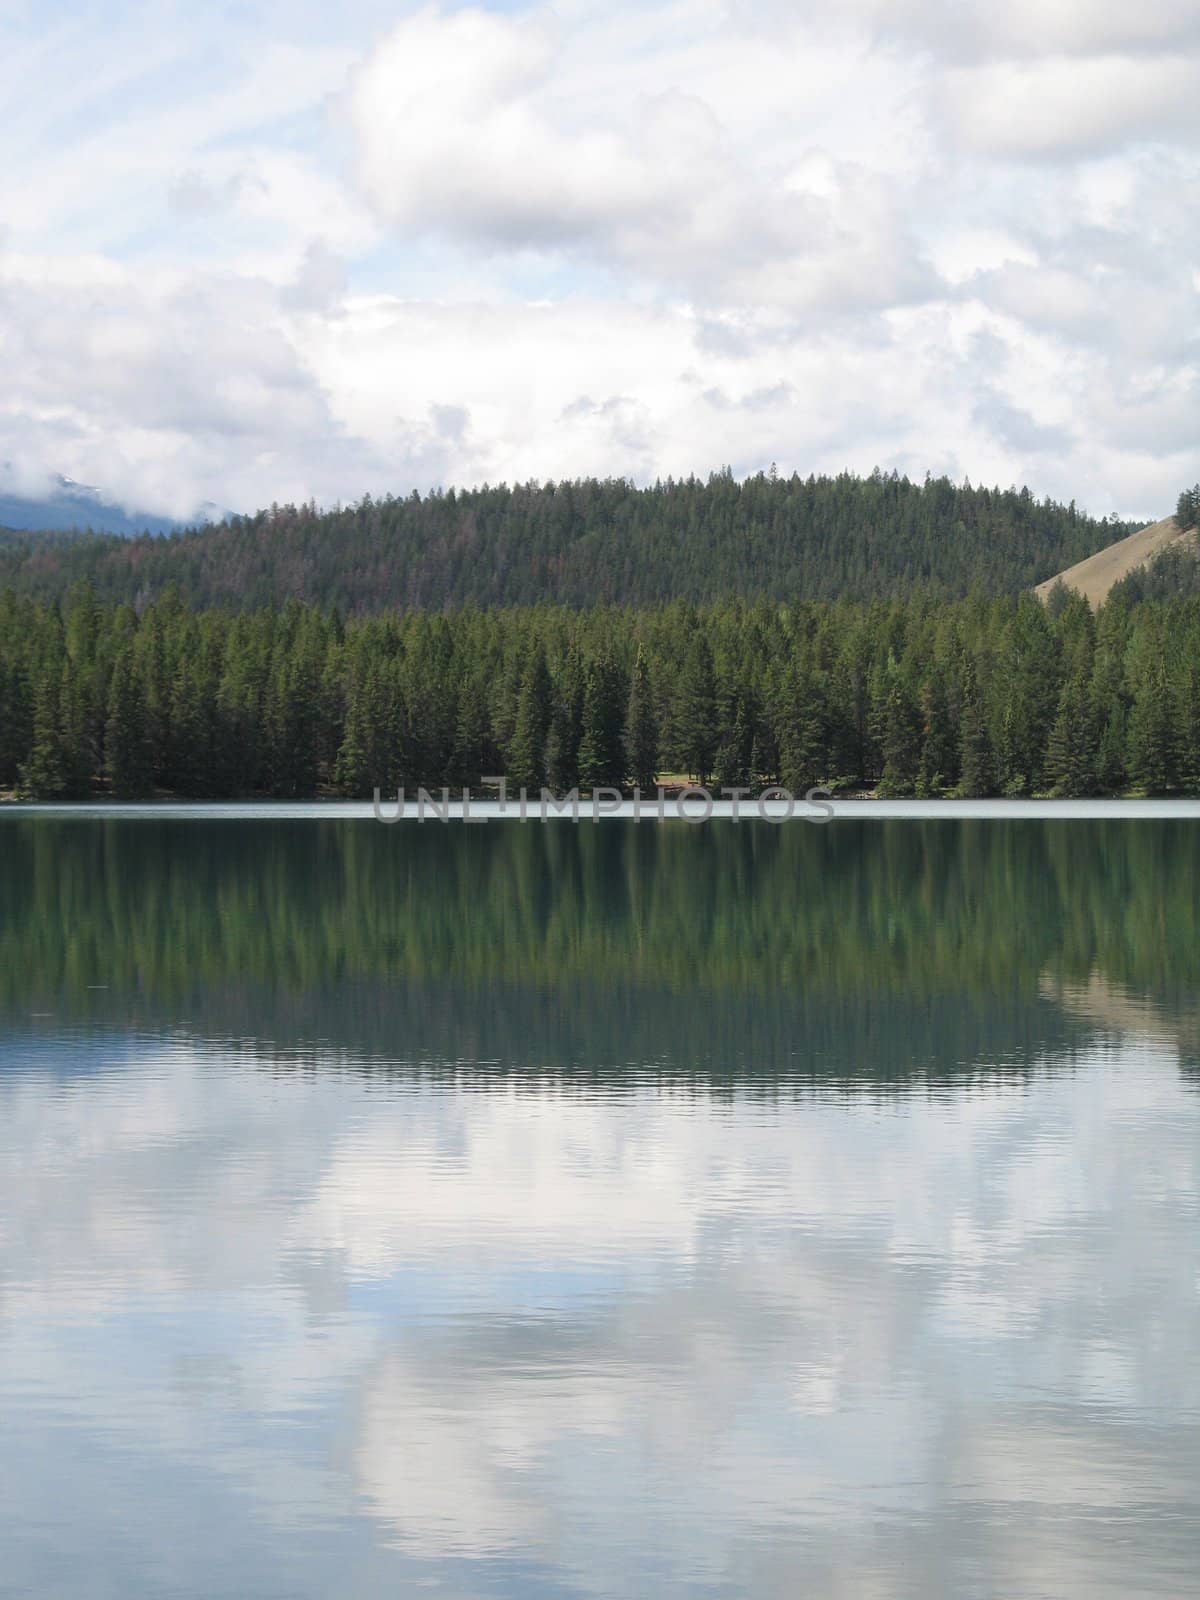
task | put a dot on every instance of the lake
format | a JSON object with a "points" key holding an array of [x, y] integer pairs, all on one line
{"points": [[637, 1209]]}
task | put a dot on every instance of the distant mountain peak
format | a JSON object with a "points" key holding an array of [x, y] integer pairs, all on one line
{"points": [[72, 507]]}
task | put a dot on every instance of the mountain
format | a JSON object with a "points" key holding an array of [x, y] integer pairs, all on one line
{"points": [[74, 507], [591, 542], [1095, 576]]}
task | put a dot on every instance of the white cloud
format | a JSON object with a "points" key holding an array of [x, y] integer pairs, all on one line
{"points": [[489, 129], [1061, 106], [958, 29], [271, 261]]}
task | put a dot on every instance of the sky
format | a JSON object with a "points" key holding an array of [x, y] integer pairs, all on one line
{"points": [[274, 251]]}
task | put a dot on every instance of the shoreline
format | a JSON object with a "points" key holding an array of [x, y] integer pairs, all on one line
{"points": [[772, 812]]}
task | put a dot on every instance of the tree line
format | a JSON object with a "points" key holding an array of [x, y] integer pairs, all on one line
{"points": [[981, 696], [588, 542]]}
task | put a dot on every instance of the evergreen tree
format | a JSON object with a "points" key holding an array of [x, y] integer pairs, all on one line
{"points": [[1153, 751], [602, 746], [902, 737], [527, 748], [641, 727], [939, 738], [566, 725], [587, 544], [734, 761], [694, 715], [431, 712], [473, 750], [1186, 716], [368, 757], [909, 695], [59, 764], [800, 729], [291, 714], [127, 742], [1112, 773], [43, 775], [15, 722], [976, 760], [191, 770], [1073, 760]]}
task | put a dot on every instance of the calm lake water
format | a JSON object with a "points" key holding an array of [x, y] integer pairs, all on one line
{"points": [[614, 1211]]}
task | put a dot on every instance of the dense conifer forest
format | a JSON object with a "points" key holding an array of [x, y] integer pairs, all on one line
{"points": [[979, 696], [588, 543]]}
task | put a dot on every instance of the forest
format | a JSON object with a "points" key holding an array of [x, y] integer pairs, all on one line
{"points": [[986, 695], [587, 543]]}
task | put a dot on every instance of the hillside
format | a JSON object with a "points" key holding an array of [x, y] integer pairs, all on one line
{"points": [[1095, 576], [590, 542]]}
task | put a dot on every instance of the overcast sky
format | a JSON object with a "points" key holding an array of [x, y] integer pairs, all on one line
{"points": [[266, 252]]}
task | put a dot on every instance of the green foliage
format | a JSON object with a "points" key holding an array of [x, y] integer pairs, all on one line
{"points": [[127, 743], [695, 736], [977, 760], [588, 543], [1073, 756], [1187, 511], [902, 741], [535, 708], [602, 745], [976, 696], [641, 727], [1174, 574]]}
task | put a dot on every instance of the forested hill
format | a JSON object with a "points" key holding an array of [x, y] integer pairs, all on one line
{"points": [[589, 542]]}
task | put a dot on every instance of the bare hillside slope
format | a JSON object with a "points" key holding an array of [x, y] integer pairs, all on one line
{"points": [[1095, 576]]}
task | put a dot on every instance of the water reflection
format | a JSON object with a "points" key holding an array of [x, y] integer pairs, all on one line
{"points": [[317, 1279], [559, 1342], [861, 950]]}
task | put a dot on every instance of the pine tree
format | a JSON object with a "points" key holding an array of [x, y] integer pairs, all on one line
{"points": [[126, 740], [367, 758], [1073, 756], [15, 730], [1187, 719], [641, 727], [1010, 756], [694, 714], [902, 737], [1187, 510], [1153, 752], [939, 738], [1112, 774], [59, 765], [473, 750], [799, 729], [734, 761], [431, 711], [291, 717], [602, 746], [566, 725], [155, 676], [1032, 674], [43, 776], [977, 760], [527, 748], [192, 723]]}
